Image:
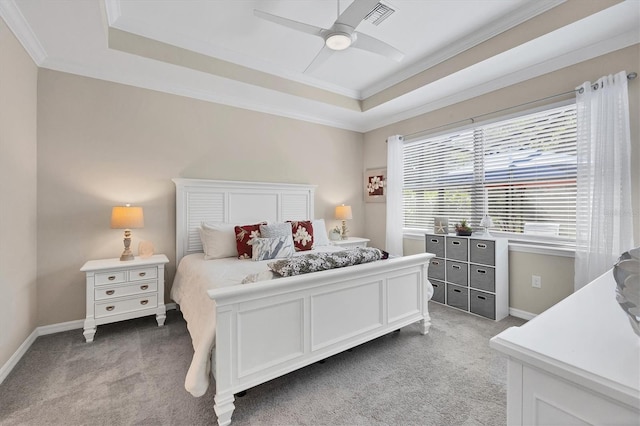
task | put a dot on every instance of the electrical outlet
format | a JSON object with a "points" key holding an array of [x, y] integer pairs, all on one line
{"points": [[536, 281]]}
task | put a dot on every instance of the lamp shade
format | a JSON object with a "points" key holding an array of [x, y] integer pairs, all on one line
{"points": [[343, 212], [127, 217]]}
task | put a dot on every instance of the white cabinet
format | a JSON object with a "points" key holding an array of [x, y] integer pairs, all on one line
{"points": [[352, 242], [470, 273], [578, 363], [119, 290]]}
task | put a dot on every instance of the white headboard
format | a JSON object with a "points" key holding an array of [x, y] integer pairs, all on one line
{"points": [[242, 203]]}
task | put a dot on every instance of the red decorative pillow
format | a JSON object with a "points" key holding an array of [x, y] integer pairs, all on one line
{"points": [[244, 234], [302, 231]]}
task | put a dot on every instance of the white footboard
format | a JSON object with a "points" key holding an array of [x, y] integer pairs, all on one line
{"points": [[270, 328]]}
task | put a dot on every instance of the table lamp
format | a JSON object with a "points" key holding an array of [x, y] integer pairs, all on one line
{"points": [[127, 217], [343, 213]]}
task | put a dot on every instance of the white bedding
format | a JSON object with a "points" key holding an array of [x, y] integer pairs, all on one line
{"points": [[194, 277]]}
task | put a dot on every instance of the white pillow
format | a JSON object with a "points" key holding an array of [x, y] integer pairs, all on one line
{"points": [[218, 240], [320, 237], [272, 248]]}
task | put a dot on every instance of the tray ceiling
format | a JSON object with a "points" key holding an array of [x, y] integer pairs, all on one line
{"points": [[219, 51]]}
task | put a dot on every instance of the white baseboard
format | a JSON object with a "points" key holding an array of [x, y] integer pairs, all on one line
{"points": [[17, 355], [42, 331], [518, 313]]}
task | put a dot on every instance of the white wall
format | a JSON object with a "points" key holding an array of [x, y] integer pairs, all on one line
{"points": [[102, 144], [557, 271]]}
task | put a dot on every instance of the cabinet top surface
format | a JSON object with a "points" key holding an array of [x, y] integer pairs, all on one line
{"points": [[475, 236], [352, 240], [587, 331], [116, 263]]}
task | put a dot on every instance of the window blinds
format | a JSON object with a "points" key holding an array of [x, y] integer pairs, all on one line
{"points": [[520, 171]]}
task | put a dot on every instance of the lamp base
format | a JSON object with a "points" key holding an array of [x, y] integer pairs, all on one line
{"points": [[126, 254], [343, 234]]}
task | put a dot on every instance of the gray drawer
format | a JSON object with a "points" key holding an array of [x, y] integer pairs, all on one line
{"points": [[457, 248], [482, 277], [457, 297], [438, 291], [483, 251], [436, 268], [457, 272], [482, 304], [435, 245]]}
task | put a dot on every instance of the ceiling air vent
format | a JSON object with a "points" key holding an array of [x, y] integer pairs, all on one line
{"points": [[379, 13]]}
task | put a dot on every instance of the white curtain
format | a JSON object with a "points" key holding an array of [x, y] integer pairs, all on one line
{"points": [[394, 195], [604, 218]]}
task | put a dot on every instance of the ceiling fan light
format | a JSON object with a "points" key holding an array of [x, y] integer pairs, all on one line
{"points": [[338, 41]]}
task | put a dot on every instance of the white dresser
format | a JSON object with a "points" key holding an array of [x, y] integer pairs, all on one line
{"points": [[470, 273], [120, 290], [352, 242], [577, 363]]}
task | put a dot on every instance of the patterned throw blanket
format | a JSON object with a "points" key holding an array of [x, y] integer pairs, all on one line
{"points": [[314, 262]]}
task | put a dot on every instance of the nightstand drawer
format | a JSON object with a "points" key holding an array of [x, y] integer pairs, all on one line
{"points": [[125, 290], [105, 309], [111, 277], [143, 274]]}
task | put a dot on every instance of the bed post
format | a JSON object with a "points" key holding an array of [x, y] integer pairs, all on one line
{"points": [[224, 364], [427, 293]]}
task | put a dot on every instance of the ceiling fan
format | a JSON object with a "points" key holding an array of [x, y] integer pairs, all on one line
{"points": [[342, 34]]}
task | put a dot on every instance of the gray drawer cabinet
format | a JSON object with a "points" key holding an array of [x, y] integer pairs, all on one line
{"points": [[470, 273]]}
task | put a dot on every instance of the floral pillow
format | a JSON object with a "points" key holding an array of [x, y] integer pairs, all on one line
{"points": [[272, 248], [244, 234], [302, 231]]}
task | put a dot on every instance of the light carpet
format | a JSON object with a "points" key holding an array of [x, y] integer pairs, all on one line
{"points": [[133, 373]]}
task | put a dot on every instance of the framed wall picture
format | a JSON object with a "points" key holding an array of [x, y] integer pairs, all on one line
{"points": [[441, 225], [375, 185]]}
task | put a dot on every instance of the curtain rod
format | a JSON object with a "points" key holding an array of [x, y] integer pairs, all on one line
{"points": [[630, 76]]}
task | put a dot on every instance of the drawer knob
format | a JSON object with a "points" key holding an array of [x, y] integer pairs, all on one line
{"points": [[142, 274], [144, 302], [481, 271], [482, 246], [144, 287], [456, 266], [455, 243], [110, 292], [433, 240], [112, 277], [110, 308]]}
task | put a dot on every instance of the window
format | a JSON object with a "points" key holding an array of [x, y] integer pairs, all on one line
{"points": [[522, 171]]}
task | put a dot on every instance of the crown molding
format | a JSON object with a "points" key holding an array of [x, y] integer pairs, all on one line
{"points": [[113, 11], [11, 14], [141, 28], [574, 57], [529, 11], [251, 103]]}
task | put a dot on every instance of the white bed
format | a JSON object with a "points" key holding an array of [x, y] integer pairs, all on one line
{"points": [[266, 329]]}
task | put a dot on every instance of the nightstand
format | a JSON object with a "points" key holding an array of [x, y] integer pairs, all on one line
{"points": [[352, 242], [120, 290]]}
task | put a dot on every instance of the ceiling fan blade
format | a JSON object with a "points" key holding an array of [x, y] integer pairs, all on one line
{"points": [[295, 25], [355, 13], [376, 46], [322, 56]]}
